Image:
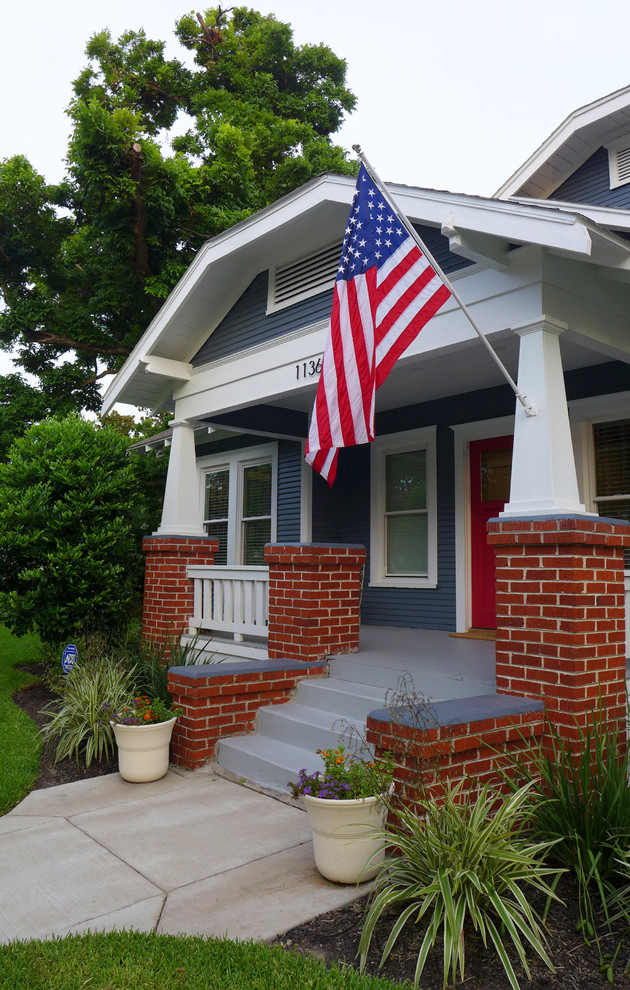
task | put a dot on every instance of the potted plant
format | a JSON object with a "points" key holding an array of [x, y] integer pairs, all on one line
{"points": [[346, 804], [143, 731]]}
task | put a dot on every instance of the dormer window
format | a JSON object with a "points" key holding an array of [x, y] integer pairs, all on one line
{"points": [[619, 162], [305, 277]]}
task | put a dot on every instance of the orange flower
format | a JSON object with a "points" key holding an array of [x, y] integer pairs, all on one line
{"points": [[147, 716]]}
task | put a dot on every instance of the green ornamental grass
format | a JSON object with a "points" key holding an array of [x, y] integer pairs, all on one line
{"points": [[466, 866]]}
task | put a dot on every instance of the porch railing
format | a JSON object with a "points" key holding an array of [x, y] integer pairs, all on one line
{"points": [[230, 600]]}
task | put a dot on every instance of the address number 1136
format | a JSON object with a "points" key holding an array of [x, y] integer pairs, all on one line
{"points": [[307, 369]]}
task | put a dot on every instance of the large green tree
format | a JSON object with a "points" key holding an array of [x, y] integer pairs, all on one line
{"points": [[163, 154]]}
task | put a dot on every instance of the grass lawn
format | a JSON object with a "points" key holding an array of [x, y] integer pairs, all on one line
{"points": [[20, 743], [137, 961]]}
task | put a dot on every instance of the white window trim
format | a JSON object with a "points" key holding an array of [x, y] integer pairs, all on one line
{"points": [[621, 144], [236, 461], [424, 439]]}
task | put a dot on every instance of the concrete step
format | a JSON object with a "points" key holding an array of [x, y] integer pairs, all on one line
{"points": [[360, 672], [341, 699], [306, 728], [266, 761]]}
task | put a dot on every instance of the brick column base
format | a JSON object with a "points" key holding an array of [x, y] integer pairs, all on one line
{"points": [[221, 700], [314, 599], [561, 616], [468, 740], [168, 593]]}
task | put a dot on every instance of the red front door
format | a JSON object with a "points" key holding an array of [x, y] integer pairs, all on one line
{"points": [[490, 469]]}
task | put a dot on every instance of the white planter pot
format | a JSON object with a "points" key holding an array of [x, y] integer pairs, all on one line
{"points": [[345, 837], [143, 750]]}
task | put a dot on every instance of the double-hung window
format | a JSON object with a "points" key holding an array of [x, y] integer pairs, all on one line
{"points": [[403, 545], [611, 442], [239, 502]]}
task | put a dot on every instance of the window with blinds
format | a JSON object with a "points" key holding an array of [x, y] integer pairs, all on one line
{"points": [[239, 502], [406, 513], [256, 512], [612, 470], [216, 510]]}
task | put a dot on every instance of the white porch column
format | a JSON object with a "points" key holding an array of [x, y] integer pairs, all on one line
{"points": [[544, 480], [181, 512]]}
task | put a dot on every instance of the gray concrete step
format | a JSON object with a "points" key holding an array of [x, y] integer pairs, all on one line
{"points": [[298, 725], [265, 761], [340, 698], [288, 735]]}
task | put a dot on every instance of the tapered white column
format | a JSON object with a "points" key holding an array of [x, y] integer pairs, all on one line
{"points": [[181, 512], [544, 480]]}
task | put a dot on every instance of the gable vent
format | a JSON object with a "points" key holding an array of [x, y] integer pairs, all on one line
{"points": [[619, 164], [303, 278]]}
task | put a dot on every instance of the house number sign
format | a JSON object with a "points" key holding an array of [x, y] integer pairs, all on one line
{"points": [[308, 369]]}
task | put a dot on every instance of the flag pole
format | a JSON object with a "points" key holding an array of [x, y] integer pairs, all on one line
{"points": [[529, 407]]}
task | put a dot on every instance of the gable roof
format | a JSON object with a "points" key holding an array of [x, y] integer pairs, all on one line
{"points": [[310, 217], [570, 145]]}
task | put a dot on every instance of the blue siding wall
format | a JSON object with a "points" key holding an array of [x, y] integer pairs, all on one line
{"points": [[248, 324], [289, 490], [591, 184]]}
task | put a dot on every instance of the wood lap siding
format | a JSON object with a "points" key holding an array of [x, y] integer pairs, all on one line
{"points": [[590, 183], [247, 324], [289, 491]]}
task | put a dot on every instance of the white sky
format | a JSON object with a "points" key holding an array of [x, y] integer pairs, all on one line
{"points": [[453, 94]]}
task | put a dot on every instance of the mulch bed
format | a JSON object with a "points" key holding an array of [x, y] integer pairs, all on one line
{"points": [[334, 936]]}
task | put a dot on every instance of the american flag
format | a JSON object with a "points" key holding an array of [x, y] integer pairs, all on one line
{"points": [[384, 294]]}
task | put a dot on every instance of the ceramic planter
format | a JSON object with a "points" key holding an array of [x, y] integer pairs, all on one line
{"points": [[143, 750], [345, 837]]}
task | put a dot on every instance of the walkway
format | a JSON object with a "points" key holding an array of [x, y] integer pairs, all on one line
{"points": [[192, 853]]}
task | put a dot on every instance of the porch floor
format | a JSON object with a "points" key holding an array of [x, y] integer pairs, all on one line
{"points": [[441, 666]]}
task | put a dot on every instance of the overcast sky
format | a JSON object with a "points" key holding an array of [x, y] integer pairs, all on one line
{"points": [[453, 94]]}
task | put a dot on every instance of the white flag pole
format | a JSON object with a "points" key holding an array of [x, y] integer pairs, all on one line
{"points": [[529, 407]]}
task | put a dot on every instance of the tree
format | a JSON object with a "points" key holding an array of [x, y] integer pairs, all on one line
{"points": [[85, 265], [71, 517]]}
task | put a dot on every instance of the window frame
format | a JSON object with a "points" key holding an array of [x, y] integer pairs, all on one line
{"points": [[401, 443], [236, 462]]}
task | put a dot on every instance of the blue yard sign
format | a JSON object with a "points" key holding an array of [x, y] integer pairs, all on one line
{"points": [[69, 658]]}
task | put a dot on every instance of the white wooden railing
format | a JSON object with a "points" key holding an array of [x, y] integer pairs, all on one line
{"points": [[230, 600]]}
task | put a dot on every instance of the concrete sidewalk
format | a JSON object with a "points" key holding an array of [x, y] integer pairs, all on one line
{"points": [[192, 853]]}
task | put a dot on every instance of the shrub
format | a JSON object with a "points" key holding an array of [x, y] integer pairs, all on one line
{"points": [[464, 866], [70, 525]]}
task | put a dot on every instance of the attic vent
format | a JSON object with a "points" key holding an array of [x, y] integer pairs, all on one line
{"points": [[303, 278], [619, 165]]}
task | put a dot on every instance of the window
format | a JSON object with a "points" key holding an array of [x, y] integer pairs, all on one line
{"points": [[239, 499], [612, 470], [403, 510]]}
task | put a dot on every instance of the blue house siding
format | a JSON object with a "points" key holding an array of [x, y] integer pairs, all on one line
{"points": [[248, 323], [289, 490], [590, 183]]}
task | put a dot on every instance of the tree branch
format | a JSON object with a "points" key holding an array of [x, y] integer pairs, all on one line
{"points": [[68, 343]]}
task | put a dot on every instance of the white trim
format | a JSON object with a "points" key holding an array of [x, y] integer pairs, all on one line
{"points": [[236, 461], [622, 144], [422, 439], [306, 499], [464, 434]]}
